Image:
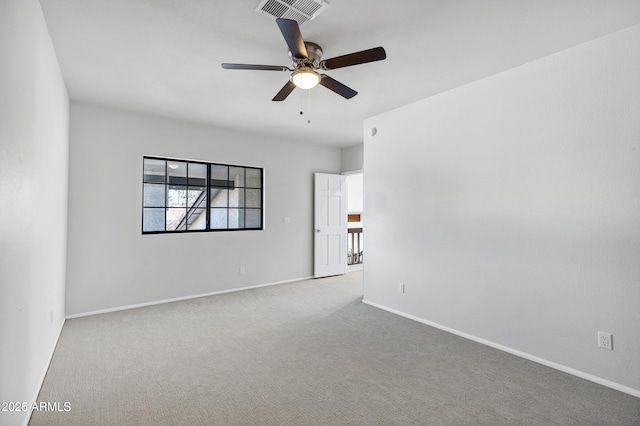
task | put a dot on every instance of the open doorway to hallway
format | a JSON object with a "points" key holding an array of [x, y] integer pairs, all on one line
{"points": [[355, 235]]}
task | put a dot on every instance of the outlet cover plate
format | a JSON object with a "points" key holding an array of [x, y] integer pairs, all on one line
{"points": [[605, 340]]}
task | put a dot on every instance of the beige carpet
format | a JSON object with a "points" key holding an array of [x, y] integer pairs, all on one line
{"points": [[306, 353]]}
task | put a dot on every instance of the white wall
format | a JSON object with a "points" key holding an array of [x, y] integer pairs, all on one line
{"points": [[355, 193], [352, 158], [510, 208], [34, 125], [111, 264]]}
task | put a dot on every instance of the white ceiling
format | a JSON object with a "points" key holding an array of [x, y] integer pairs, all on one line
{"points": [[163, 56]]}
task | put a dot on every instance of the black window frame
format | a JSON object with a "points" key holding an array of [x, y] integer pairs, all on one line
{"points": [[227, 185]]}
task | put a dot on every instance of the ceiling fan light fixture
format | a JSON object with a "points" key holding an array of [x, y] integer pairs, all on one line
{"points": [[306, 61], [305, 79]]}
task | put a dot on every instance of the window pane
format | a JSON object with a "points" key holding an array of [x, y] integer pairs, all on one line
{"points": [[175, 219], [254, 178], [197, 174], [236, 175], [177, 196], [219, 197], [154, 170], [197, 219], [236, 198], [219, 175], [153, 220], [218, 219], [236, 218], [154, 195], [253, 198], [196, 197], [253, 218], [177, 172]]}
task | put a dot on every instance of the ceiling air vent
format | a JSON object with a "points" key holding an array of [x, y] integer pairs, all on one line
{"points": [[300, 11]]}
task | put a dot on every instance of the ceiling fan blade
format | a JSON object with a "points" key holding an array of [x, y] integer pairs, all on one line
{"points": [[336, 86], [291, 33], [362, 57], [254, 67], [284, 92]]}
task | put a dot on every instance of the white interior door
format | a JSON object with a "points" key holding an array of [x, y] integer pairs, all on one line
{"points": [[330, 241]]}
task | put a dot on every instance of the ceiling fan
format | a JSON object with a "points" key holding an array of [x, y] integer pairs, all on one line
{"points": [[305, 59]]}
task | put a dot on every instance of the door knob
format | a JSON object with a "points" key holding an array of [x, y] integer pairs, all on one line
{"points": [[317, 230]]}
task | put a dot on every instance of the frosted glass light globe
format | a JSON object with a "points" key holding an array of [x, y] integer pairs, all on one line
{"points": [[305, 79]]}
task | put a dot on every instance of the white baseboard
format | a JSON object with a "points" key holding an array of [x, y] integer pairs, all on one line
{"points": [[178, 299], [43, 375], [563, 368]]}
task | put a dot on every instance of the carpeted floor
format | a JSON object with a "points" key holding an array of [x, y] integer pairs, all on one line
{"points": [[306, 353]]}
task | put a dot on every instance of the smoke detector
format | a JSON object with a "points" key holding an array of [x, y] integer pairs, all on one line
{"points": [[300, 11]]}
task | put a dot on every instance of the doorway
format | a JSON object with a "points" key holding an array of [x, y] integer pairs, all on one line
{"points": [[355, 235]]}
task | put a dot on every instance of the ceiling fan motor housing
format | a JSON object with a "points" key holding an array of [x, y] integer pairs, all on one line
{"points": [[314, 54]]}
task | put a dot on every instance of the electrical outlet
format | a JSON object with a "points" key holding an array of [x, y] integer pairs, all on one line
{"points": [[605, 340], [242, 270], [401, 288], [286, 219]]}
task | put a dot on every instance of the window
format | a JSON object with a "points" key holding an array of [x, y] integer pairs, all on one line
{"points": [[184, 196]]}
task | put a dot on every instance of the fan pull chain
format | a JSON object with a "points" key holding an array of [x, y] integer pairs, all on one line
{"points": [[309, 103], [301, 104]]}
